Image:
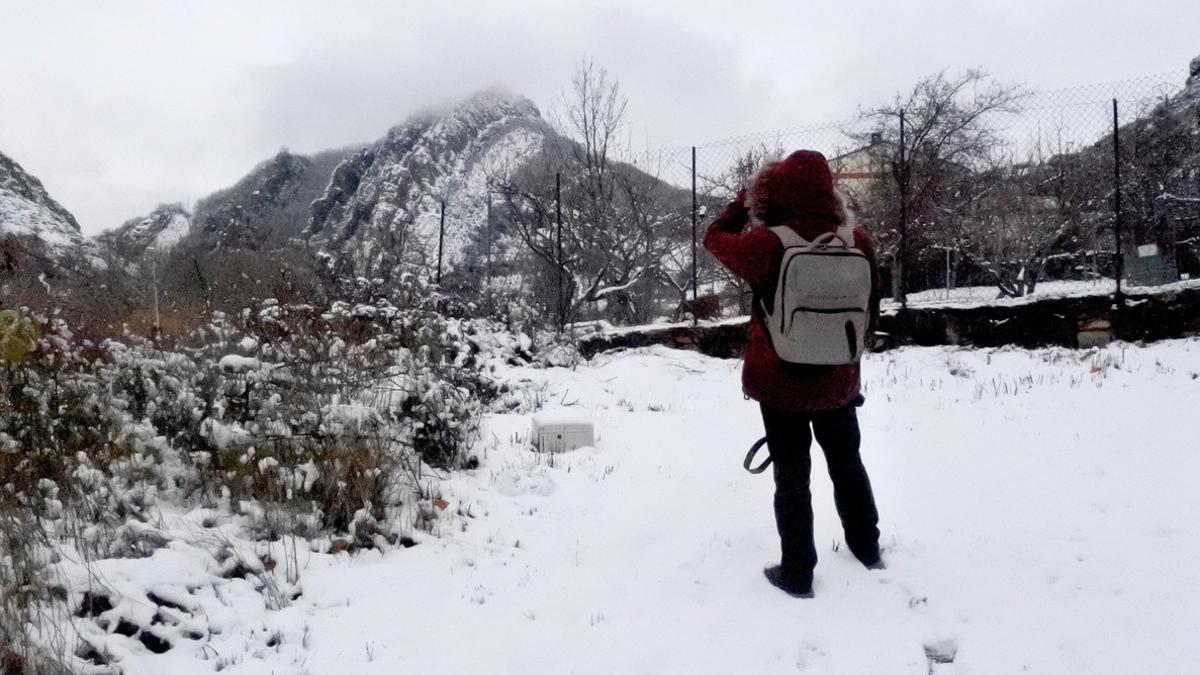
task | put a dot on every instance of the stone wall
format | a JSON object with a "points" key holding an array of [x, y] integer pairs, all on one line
{"points": [[1054, 321]]}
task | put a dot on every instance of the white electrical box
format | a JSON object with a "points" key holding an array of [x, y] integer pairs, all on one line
{"points": [[551, 433], [1147, 250]]}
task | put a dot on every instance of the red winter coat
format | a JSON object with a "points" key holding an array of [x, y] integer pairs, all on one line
{"points": [[796, 192]]}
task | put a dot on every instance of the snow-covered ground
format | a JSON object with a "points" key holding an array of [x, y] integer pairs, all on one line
{"points": [[1038, 508], [970, 296]]}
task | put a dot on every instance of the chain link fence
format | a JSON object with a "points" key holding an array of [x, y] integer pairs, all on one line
{"points": [[1061, 191], [972, 191]]}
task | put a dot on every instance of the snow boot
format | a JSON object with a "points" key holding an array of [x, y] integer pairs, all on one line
{"points": [[793, 587], [873, 560]]}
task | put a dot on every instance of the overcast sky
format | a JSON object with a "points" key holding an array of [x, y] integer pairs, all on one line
{"points": [[118, 106]]}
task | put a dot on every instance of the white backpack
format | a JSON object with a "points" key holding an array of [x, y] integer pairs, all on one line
{"points": [[822, 299]]}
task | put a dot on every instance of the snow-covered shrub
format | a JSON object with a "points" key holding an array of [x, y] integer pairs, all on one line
{"points": [[58, 415], [251, 404], [26, 499], [24, 592], [293, 419]]}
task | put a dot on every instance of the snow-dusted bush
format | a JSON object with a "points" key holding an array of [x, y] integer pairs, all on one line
{"points": [[26, 499], [24, 557], [297, 420], [279, 402]]}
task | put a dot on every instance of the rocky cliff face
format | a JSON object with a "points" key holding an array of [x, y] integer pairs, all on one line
{"points": [[365, 211], [43, 255], [262, 211], [380, 213], [28, 213], [161, 230], [269, 206]]}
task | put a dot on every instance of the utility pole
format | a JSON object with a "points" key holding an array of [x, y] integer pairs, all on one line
{"points": [[441, 241], [695, 318], [902, 176], [157, 318], [487, 284], [1120, 296], [152, 255], [562, 321]]}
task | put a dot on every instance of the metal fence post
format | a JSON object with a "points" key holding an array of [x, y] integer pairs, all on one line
{"points": [[902, 175], [441, 241], [1117, 203], [695, 318], [562, 321]]}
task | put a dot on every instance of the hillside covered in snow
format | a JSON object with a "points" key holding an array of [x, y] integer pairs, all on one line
{"points": [[382, 208], [160, 231], [29, 213]]}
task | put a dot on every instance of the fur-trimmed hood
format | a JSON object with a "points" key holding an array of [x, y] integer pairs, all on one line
{"points": [[796, 191]]}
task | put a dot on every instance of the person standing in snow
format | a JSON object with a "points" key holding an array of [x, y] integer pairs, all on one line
{"points": [[799, 402]]}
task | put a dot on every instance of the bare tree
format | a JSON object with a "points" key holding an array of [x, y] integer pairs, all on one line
{"points": [[950, 133], [617, 228], [593, 114], [725, 185], [1161, 175], [608, 250], [1014, 217], [715, 191], [1055, 207]]}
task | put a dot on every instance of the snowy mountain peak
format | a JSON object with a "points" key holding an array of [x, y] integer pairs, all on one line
{"points": [[492, 102], [478, 108], [381, 209]]}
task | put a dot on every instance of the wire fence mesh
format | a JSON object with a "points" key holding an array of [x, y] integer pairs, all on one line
{"points": [[1042, 201], [971, 190]]}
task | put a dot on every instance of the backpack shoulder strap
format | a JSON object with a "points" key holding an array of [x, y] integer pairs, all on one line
{"points": [[846, 234], [789, 237]]}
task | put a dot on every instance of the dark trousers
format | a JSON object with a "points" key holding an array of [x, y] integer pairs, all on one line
{"points": [[789, 437]]}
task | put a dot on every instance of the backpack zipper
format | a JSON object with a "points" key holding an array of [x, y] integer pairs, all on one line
{"points": [[817, 310]]}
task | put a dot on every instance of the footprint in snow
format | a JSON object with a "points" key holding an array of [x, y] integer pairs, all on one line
{"points": [[940, 652], [810, 655]]}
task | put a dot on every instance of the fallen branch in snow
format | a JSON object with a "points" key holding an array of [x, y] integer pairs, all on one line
{"points": [[1167, 196]]}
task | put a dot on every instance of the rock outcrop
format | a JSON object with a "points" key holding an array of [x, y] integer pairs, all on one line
{"points": [[380, 212], [27, 211], [161, 230]]}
